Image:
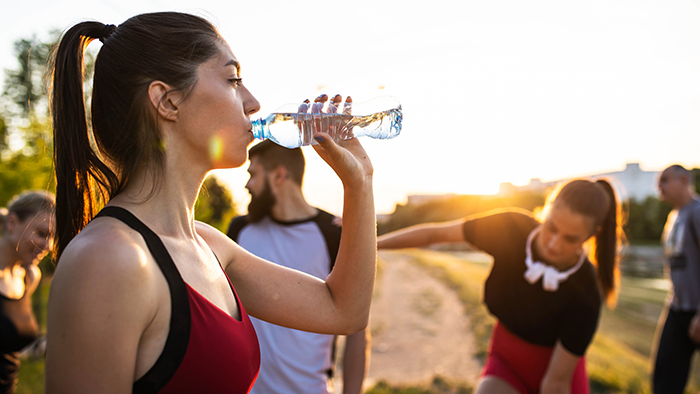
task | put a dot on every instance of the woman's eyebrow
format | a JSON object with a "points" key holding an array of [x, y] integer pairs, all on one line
{"points": [[234, 63]]}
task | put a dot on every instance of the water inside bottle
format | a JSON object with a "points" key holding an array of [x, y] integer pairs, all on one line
{"points": [[385, 124]]}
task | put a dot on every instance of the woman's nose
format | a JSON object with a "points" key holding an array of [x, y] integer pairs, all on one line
{"points": [[553, 243], [251, 104]]}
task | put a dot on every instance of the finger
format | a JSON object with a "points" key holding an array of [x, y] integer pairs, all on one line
{"points": [[330, 151], [334, 104], [317, 106], [301, 122], [316, 109], [304, 107], [347, 108]]}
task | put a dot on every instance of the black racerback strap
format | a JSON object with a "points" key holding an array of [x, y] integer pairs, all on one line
{"points": [[180, 319]]}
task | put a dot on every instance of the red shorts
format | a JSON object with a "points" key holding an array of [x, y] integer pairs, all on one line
{"points": [[523, 364]]}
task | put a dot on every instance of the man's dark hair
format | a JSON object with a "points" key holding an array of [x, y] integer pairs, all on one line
{"points": [[271, 155], [681, 172]]}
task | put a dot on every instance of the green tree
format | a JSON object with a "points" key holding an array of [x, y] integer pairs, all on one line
{"points": [[26, 85], [645, 220], [215, 204], [26, 149], [25, 139]]}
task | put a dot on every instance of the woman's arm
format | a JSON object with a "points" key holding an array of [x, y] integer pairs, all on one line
{"points": [[422, 235], [561, 368], [101, 301], [338, 305]]}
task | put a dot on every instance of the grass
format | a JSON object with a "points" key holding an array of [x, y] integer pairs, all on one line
{"points": [[31, 372], [618, 360], [438, 386]]}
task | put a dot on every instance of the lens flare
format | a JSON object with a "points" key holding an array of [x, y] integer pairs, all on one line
{"points": [[216, 148]]}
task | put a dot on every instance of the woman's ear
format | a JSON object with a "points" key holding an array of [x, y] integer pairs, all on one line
{"points": [[163, 98]]}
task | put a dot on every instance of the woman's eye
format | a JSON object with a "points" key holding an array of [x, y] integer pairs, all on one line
{"points": [[236, 81]]}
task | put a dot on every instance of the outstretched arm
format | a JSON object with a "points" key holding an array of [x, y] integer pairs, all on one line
{"points": [[422, 235]]}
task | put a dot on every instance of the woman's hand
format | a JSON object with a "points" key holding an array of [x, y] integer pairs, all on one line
{"points": [[347, 158]]}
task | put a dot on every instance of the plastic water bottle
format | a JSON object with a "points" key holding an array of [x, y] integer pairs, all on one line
{"points": [[294, 125]]}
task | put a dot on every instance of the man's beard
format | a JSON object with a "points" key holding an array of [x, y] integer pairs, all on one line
{"points": [[261, 205]]}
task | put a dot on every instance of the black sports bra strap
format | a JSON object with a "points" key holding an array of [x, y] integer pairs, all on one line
{"points": [[180, 319]]}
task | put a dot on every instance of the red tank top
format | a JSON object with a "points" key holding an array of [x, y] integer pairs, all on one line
{"points": [[207, 350]]}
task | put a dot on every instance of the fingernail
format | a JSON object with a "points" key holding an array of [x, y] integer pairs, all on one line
{"points": [[318, 138]]}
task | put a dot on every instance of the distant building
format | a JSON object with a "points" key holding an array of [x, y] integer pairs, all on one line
{"points": [[632, 182], [536, 186], [420, 199]]}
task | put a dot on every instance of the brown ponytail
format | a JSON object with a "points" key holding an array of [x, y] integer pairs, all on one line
{"points": [[599, 201], [80, 175], [608, 242], [93, 164]]}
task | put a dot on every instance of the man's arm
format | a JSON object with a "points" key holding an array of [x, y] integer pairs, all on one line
{"points": [[356, 361], [694, 329]]}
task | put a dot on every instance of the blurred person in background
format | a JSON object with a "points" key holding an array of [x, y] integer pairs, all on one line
{"points": [[27, 226], [283, 228], [678, 332], [543, 287]]}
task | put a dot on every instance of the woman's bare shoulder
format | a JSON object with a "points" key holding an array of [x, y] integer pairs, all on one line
{"points": [[105, 256], [105, 294]]}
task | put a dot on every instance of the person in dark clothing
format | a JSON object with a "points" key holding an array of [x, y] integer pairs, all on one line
{"points": [[678, 332], [27, 226], [543, 287], [145, 298]]}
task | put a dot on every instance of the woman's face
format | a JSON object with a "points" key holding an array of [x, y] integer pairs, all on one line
{"points": [[216, 115], [31, 237], [561, 237]]}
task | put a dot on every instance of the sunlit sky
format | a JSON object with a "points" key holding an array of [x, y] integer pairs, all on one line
{"points": [[492, 91]]}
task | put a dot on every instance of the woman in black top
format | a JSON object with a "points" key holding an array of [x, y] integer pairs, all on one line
{"points": [[26, 238], [543, 289]]}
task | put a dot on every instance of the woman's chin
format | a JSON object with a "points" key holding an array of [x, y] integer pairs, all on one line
{"points": [[226, 164]]}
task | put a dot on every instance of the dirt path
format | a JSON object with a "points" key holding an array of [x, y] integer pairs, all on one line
{"points": [[418, 328]]}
